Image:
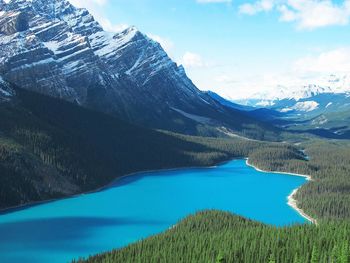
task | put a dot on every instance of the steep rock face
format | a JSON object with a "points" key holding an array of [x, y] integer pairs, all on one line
{"points": [[331, 85], [16, 22], [56, 49], [6, 92], [47, 56]]}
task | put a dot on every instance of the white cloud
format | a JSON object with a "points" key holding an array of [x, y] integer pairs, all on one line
{"points": [[332, 61], [83, 3], [313, 14], [108, 26], [307, 14], [95, 7], [223, 78], [287, 15], [313, 69], [259, 6], [166, 44], [213, 1], [193, 60]]}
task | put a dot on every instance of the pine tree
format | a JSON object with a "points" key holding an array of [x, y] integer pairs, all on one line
{"points": [[296, 259], [220, 258], [345, 253], [315, 256], [272, 258]]}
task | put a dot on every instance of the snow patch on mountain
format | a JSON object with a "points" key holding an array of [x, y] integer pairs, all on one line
{"points": [[265, 103], [305, 106], [330, 84], [321, 120], [329, 104], [194, 117], [5, 91], [54, 48]]}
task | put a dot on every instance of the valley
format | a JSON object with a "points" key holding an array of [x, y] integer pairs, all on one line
{"points": [[110, 152], [144, 204]]}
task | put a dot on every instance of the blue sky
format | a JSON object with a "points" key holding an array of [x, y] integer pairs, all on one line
{"points": [[240, 47]]}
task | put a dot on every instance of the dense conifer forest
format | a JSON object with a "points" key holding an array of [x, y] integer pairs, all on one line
{"points": [[213, 236], [51, 149], [327, 196]]}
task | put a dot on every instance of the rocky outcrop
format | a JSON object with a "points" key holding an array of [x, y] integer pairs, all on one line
{"points": [[56, 49], [6, 92]]}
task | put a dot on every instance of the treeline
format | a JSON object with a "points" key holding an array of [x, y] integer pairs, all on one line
{"points": [[64, 149], [50, 148], [327, 196], [213, 236], [221, 237]]}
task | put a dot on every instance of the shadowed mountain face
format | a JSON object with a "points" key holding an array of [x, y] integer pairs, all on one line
{"points": [[51, 148], [6, 92], [55, 49]]}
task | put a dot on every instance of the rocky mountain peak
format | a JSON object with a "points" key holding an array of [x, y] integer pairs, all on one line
{"points": [[2, 5], [55, 9], [5, 91], [48, 5], [54, 48], [129, 34]]}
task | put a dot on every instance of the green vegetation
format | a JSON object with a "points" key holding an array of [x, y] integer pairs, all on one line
{"points": [[50, 148], [327, 196], [213, 236]]}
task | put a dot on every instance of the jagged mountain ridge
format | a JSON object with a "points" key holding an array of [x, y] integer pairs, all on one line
{"points": [[50, 148], [333, 84], [327, 95], [6, 92], [55, 49]]}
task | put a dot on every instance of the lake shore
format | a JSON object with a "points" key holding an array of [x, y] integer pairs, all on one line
{"points": [[11, 209], [292, 202], [291, 198]]}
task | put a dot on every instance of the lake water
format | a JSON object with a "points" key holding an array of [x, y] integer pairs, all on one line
{"points": [[138, 206]]}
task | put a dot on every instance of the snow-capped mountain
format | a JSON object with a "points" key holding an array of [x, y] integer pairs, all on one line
{"points": [[329, 93], [332, 84], [59, 50], [6, 92]]}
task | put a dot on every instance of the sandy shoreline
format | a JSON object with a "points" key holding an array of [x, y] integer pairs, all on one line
{"points": [[11, 209], [292, 202], [291, 198]]}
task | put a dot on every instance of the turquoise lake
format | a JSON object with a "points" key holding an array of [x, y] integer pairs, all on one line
{"points": [[141, 205]]}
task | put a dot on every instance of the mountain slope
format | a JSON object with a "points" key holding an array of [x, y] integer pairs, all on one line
{"points": [[215, 236], [331, 94], [61, 51], [265, 114], [50, 148]]}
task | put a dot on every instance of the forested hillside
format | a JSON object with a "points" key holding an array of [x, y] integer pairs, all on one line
{"points": [[213, 236], [50, 148], [218, 237], [327, 196]]}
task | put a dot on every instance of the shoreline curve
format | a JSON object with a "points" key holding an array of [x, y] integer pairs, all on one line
{"points": [[292, 202]]}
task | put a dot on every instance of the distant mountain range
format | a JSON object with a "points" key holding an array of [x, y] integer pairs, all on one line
{"points": [[55, 49], [331, 84], [256, 112], [331, 94], [50, 148], [6, 92], [322, 109]]}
